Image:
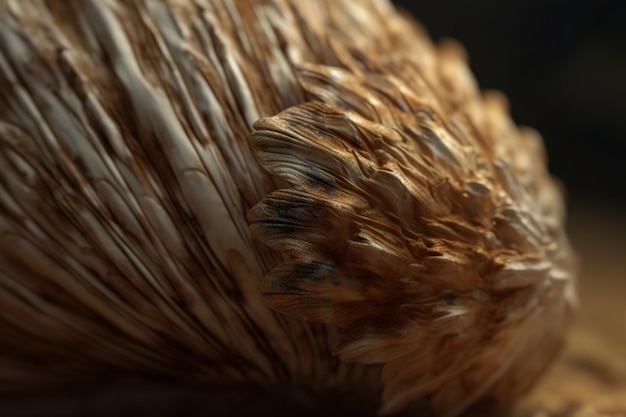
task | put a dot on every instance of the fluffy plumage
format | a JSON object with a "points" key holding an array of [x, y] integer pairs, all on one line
{"points": [[430, 236], [407, 224]]}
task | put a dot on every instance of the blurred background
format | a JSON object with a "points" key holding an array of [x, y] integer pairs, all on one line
{"points": [[563, 66]]}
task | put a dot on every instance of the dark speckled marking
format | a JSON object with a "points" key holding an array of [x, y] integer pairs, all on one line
{"points": [[319, 180], [311, 270]]}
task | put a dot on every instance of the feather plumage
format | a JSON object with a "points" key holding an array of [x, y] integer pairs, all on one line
{"points": [[412, 227], [435, 254]]}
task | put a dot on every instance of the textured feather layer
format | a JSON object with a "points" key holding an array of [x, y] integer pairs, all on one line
{"points": [[126, 178], [423, 224], [411, 226]]}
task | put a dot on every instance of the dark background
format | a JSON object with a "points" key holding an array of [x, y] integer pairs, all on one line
{"points": [[563, 66]]}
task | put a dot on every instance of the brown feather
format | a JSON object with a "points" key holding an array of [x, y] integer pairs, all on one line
{"points": [[387, 225], [425, 233]]}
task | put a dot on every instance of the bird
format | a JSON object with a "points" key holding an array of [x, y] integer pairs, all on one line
{"points": [[270, 193]]}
